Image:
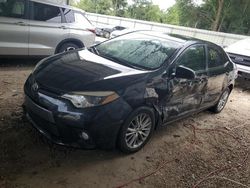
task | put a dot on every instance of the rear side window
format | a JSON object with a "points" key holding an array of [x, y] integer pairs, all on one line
{"points": [[194, 58], [215, 58], [81, 19], [69, 15], [47, 13], [13, 9]]}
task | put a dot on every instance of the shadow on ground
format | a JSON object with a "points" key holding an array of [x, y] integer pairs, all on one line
{"points": [[18, 62]]}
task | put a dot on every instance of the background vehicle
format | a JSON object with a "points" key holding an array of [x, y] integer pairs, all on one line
{"points": [[106, 31], [121, 32], [37, 28], [239, 52], [119, 91]]}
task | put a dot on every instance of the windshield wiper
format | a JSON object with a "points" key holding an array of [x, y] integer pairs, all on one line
{"points": [[94, 50]]}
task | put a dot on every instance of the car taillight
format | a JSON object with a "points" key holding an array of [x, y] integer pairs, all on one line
{"points": [[92, 30]]}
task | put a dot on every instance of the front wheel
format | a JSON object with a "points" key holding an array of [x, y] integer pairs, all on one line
{"points": [[222, 102], [136, 130]]}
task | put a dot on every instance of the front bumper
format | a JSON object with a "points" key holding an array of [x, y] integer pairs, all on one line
{"points": [[63, 124]]}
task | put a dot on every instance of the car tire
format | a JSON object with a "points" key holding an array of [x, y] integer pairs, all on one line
{"points": [[107, 35], [67, 47], [136, 130], [222, 102]]}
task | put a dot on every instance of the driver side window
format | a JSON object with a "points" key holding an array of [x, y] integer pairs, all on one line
{"points": [[194, 58]]}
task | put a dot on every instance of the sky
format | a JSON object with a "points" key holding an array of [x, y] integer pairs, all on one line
{"points": [[164, 4]]}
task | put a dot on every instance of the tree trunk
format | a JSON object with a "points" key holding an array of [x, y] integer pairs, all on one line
{"points": [[220, 27], [245, 7], [216, 23]]}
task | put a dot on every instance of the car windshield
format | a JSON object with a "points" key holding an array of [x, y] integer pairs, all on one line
{"points": [[138, 50]]}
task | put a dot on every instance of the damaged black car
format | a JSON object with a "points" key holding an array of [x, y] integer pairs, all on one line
{"points": [[115, 94]]}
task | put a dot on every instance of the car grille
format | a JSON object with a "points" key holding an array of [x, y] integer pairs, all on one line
{"points": [[240, 59]]}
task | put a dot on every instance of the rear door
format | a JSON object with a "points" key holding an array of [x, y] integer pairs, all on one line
{"points": [[217, 72], [47, 29], [14, 27]]}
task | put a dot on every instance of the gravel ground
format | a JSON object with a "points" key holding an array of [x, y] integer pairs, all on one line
{"points": [[204, 150]]}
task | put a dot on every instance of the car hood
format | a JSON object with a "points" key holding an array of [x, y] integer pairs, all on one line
{"points": [[84, 71], [241, 47]]}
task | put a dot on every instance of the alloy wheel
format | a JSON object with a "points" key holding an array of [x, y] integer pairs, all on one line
{"points": [[223, 100], [69, 48], [138, 130]]}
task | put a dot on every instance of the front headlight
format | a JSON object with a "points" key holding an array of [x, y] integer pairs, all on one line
{"points": [[89, 99]]}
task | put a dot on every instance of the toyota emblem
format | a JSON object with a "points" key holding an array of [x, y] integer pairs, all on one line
{"points": [[35, 87]]}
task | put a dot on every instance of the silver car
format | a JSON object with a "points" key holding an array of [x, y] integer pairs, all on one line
{"points": [[37, 28]]}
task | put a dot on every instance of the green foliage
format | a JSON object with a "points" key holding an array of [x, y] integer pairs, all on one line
{"points": [[182, 13], [235, 16], [231, 16], [96, 6], [145, 10], [119, 7]]}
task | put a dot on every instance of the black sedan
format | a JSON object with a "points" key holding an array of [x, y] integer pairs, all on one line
{"points": [[118, 92]]}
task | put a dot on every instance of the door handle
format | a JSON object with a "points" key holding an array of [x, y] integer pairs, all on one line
{"points": [[63, 27], [21, 23]]}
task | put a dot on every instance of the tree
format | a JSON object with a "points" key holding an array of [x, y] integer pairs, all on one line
{"points": [[145, 10], [120, 7], [232, 16], [217, 20], [96, 6], [228, 16], [184, 13]]}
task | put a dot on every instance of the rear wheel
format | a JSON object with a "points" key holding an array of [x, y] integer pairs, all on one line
{"points": [[222, 102], [68, 47], [136, 130]]}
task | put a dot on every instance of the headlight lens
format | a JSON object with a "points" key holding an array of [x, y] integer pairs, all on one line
{"points": [[90, 99]]}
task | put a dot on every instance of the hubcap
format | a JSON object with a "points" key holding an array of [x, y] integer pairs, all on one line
{"points": [[138, 130], [69, 48], [223, 100]]}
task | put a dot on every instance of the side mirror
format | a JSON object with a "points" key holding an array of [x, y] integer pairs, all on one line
{"points": [[184, 72]]}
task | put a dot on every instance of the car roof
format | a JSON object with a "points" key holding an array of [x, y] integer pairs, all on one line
{"points": [[174, 37], [47, 2]]}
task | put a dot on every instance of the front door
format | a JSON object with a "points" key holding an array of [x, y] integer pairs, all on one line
{"points": [[185, 95]]}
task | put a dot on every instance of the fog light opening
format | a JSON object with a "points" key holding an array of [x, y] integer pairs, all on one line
{"points": [[85, 136]]}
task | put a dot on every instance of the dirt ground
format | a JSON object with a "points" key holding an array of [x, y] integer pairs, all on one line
{"points": [[204, 150]]}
